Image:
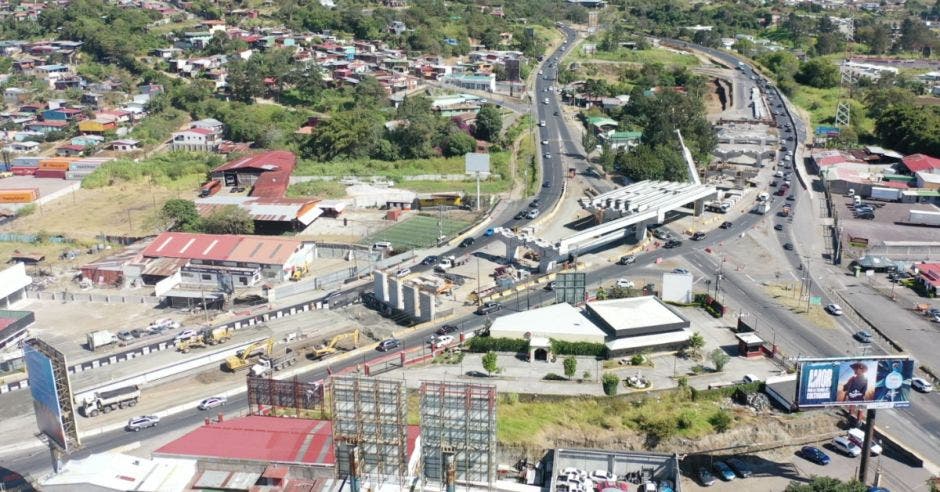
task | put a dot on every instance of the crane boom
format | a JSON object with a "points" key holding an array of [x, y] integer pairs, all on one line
{"points": [[687, 155]]}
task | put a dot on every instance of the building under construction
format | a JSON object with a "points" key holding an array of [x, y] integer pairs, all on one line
{"points": [[370, 429], [458, 432]]}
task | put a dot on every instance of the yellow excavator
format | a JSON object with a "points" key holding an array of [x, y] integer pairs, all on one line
{"points": [[208, 336], [329, 348], [247, 356], [299, 273]]}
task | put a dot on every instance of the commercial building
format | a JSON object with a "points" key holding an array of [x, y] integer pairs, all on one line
{"points": [[929, 277], [472, 82], [270, 215], [267, 173], [121, 472], [562, 322], [13, 283], [639, 323]]}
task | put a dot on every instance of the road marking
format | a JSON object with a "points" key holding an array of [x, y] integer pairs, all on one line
{"points": [[749, 277]]}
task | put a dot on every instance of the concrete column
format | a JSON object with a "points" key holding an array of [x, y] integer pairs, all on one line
{"points": [[410, 300], [380, 283], [428, 308], [394, 293], [699, 207]]}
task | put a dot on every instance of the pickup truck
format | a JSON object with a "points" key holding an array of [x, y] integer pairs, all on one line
{"points": [[450, 262]]}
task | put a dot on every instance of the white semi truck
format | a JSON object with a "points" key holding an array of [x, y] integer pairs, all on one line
{"points": [[106, 401]]}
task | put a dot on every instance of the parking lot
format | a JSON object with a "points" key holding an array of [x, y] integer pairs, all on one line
{"points": [[888, 223]]}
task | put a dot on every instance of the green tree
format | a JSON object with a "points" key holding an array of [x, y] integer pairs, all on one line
{"points": [[879, 99], [346, 134], [458, 143], [820, 73], [826, 484], [369, 93], [696, 344], [915, 35], [721, 420], [489, 123], [182, 214], [571, 366], [719, 358], [230, 219], [610, 382], [490, 363]]}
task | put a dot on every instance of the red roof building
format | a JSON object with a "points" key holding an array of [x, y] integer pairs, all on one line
{"points": [[264, 440], [268, 173], [929, 276], [206, 247], [921, 163]]}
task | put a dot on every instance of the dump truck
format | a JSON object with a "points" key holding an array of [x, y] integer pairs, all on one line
{"points": [[244, 358], [106, 401], [329, 348], [270, 363], [100, 338]]}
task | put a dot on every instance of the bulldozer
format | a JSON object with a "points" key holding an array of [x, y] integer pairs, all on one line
{"points": [[206, 337], [247, 356], [299, 272], [329, 348]]}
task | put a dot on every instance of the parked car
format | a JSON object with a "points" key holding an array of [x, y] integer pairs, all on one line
{"points": [[551, 285], [788, 246], [921, 384], [447, 329], [680, 270], [535, 203], [727, 225], [843, 445], [544, 142], [489, 232], [547, 155], [521, 215], [533, 213], [627, 260], [740, 467], [623, 283], [403, 272], [791, 198], [389, 344], [815, 455], [467, 242], [863, 336], [723, 471], [834, 309], [430, 260], [705, 477], [185, 335], [144, 421], [125, 336], [488, 307], [442, 341], [857, 436], [212, 402], [698, 236]]}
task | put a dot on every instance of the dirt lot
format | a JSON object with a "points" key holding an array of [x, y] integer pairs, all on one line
{"points": [[125, 209], [888, 221]]}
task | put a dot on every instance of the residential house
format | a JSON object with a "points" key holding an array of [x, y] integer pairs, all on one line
{"points": [[195, 139], [87, 140], [100, 124], [71, 82], [126, 145], [397, 28], [15, 95], [47, 126], [210, 124], [69, 150], [63, 114], [920, 163], [22, 147], [92, 99]]}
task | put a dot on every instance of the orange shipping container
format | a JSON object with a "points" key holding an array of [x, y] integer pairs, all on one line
{"points": [[19, 196], [55, 164]]}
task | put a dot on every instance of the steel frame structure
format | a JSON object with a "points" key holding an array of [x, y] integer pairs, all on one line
{"points": [[63, 385], [288, 394], [458, 419], [370, 414]]}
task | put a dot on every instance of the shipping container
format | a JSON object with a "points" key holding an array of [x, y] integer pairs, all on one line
{"points": [[84, 166], [76, 175], [24, 195], [50, 173], [23, 171], [887, 194], [924, 217], [55, 164], [26, 161]]}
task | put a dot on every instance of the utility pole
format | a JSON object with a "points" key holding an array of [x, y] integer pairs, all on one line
{"points": [[866, 445]]}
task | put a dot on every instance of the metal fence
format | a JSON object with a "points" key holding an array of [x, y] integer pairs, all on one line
{"points": [[14, 237], [90, 297]]}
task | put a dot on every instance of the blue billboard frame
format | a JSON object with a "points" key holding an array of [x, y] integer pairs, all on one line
{"points": [[873, 382], [45, 394]]}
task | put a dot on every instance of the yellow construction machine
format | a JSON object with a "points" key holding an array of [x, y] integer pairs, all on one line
{"points": [[329, 348], [248, 355]]}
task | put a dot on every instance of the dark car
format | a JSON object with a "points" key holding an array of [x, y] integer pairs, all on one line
{"points": [[723, 471], [727, 225], [863, 336], [791, 198], [520, 215], [430, 260], [447, 329], [488, 307], [788, 246], [388, 344], [547, 184], [778, 227], [467, 242], [815, 455], [705, 477], [672, 243], [698, 236], [739, 467], [627, 260], [535, 203]]}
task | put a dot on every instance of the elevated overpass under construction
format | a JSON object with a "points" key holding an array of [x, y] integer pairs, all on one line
{"points": [[619, 214]]}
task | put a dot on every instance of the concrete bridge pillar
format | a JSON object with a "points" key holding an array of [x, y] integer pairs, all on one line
{"points": [[699, 207]]}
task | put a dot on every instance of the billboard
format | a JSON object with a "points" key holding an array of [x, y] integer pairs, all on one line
{"points": [[871, 382], [570, 287], [477, 163], [45, 395]]}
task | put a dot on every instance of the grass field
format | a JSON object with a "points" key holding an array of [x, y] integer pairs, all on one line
{"points": [[821, 105], [417, 232], [640, 57]]}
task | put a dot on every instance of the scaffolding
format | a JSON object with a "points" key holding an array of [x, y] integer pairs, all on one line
{"points": [[370, 415], [68, 441], [274, 397], [458, 420]]}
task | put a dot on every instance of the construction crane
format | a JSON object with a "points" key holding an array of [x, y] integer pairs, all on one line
{"points": [[246, 357], [687, 155], [329, 348]]}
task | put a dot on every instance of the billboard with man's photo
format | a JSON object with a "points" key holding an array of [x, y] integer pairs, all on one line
{"points": [[871, 382]]}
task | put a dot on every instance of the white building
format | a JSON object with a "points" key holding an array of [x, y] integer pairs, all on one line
{"points": [[196, 139]]}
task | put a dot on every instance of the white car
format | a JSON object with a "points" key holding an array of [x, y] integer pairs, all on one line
{"points": [[212, 402], [625, 283], [185, 335], [403, 272], [922, 385], [857, 436], [602, 475], [165, 324], [544, 142], [845, 446], [137, 423], [442, 341], [834, 309]]}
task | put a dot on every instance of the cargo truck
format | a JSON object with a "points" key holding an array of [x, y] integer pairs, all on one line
{"points": [[761, 208], [886, 194], [244, 358], [924, 217], [100, 338], [450, 262], [268, 364], [106, 401]]}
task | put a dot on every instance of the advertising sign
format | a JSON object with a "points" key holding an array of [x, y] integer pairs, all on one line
{"points": [[45, 395], [477, 163], [870, 382], [570, 287]]}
